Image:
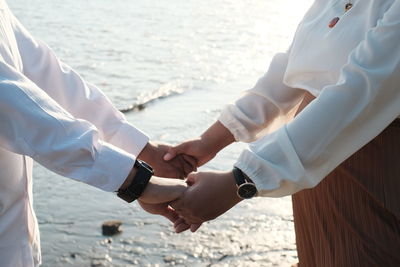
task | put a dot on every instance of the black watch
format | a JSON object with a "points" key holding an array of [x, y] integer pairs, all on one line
{"points": [[139, 182], [246, 188]]}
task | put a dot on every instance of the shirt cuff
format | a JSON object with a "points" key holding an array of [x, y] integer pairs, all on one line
{"points": [[130, 139], [111, 168], [238, 131], [273, 165]]}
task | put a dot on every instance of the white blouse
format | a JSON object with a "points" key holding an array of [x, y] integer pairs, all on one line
{"points": [[354, 71], [49, 114]]}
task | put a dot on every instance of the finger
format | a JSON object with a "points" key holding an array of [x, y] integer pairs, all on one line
{"points": [[181, 170], [188, 219], [191, 161], [171, 214], [186, 166], [182, 227], [194, 227], [177, 204], [191, 179], [173, 151], [179, 221]]}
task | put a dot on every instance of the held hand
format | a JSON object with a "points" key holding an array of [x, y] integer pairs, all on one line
{"points": [[165, 210], [210, 195], [157, 196], [162, 209], [204, 148], [179, 167], [196, 148]]}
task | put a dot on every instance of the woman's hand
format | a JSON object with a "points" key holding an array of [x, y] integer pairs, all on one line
{"points": [[199, 148], [157, 196], [179, 167], [204, 148], [210, 194], [162, 209]]}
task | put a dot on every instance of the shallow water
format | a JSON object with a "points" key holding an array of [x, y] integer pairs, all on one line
{"points": [[185, 59]]}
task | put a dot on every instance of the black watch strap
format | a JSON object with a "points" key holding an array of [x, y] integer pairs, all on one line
{"points": [[246, 187], [139, 182], [239, 176]]}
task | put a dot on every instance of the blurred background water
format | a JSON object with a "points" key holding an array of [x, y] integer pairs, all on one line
{"points": [[185, 59]]}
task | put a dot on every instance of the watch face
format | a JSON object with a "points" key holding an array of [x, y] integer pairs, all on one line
{"points": [[145, 166], [247, 190]]}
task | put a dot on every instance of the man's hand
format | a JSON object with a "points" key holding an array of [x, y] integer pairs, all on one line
{"points": [[179, 167], [210, 194], [162, 190], [204, 148]]}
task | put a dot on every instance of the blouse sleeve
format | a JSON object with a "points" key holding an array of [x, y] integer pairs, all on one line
{"points": [[342, 119], [265, 107], [82, 100], [33, 124]]}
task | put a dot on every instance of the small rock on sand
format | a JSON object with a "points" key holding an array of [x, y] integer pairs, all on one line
{"points": [[111, 228]]}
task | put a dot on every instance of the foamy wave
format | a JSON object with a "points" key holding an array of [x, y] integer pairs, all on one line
{"points": [[167, 90]]}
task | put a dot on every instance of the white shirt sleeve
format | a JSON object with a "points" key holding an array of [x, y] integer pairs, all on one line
{"points": [[68, 89], [33, 124], [265, 107], [342, 119]]}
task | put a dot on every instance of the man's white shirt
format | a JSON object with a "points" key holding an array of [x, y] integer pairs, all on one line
{"points": [[48, 113]]}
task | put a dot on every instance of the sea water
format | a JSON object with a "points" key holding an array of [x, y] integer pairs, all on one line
{"points": [[182, 60]]}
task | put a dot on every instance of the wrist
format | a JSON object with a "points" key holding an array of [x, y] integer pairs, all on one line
{"points": [[160, 190], [146, 152], [217, 137], [136, 181], [231, 187]]}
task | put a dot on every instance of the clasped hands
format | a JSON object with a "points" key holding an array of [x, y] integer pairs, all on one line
{"points": [[203, 196]]}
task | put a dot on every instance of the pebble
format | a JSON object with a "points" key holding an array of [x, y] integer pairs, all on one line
{"points": [[111, 228]]}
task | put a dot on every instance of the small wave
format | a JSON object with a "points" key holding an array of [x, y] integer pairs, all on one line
{"points": [[167, 90]]}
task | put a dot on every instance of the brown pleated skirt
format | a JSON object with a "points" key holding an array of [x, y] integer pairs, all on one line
{"points": [[352, 218]]}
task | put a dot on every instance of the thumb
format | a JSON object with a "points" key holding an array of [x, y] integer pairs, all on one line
{"points": [[170, 214], [173, 151], [191, 179], [177, 205], [170, 154], [194, 227]]}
